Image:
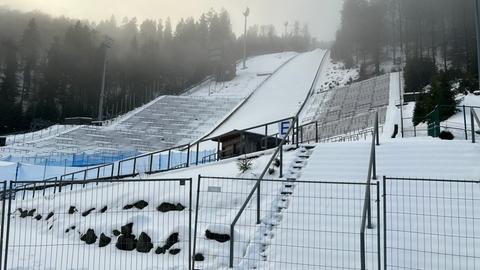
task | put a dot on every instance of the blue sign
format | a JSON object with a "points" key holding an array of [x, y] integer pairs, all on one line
{"points": [[284, 127]]}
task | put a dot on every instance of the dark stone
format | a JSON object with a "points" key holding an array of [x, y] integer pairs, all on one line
{"points": [[49, 215], [72, 210], [31, 212], [104, 209], [89, 237], [127, 207], [23, 213], [104, 240], [144, 243], [73, 227], [171, 240], [271, 171], [446, 135], [38, 217], [86, 213], [222, 238], [127, 243], [276, 162], [167, 207], [174, 251], [199, 257], [127, 229], [50, 228], [116, 232], [286, 193], [67, 230], [160, 250], [141, 204]]}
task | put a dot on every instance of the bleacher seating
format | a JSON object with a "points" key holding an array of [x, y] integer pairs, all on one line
{"points": [[348, 109], [167, 122]]}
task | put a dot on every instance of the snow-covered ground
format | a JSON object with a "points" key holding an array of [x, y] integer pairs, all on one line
{"points": [[247, 80]]}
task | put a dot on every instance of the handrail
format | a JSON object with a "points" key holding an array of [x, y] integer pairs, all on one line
{"points": [[367, 208]]}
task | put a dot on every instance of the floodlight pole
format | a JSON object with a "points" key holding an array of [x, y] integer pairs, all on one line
{"points": [[105, 46], [477, 27], [246, 13]]}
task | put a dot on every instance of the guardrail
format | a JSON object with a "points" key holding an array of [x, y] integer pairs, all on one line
{"points": [[367, 208], [433, 127]]}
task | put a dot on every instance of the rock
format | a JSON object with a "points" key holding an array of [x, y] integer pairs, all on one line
{"points": [[116, 232], [127, 243], [31, 212], [127, 207], [104, 240], [89, 237], [222, 238], [174, 251], [276, 162], [104, 209], [446, 135], [86, 213], [72, 210], [160, 250], [144, 243], [49, 216], [171, 240], [23, 213], [167, 207], [141, 204], [38, 217], [127, 229], [271, 171], [199, 257]]}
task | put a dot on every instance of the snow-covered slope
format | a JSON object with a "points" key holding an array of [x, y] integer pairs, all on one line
{"points": [[278, 98]]}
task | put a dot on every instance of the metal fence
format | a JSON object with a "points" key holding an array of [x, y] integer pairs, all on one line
{"points": [[127, 224], [431, 224], [303, 224]]}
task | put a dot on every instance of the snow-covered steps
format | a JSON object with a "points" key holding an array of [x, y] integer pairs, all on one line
{"points": [[415, 157]]}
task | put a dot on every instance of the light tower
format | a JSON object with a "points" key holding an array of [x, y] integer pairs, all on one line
{"points": [[246, 13], [107, 44]]}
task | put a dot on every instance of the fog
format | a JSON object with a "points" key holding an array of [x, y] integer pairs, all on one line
{"points": [[322, 16]]}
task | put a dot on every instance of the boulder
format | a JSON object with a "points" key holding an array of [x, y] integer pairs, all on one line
{"points": [[222, 238], [72, 210], [127, 229], [167, 207], [89, 237], [126, 243], [104, 209], [104, 240], [86, 213], [141, 204], [174, 251], [199, 257], [144, 243]]}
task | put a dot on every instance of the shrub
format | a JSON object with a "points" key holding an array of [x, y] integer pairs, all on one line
{"points": [[245, 164]]}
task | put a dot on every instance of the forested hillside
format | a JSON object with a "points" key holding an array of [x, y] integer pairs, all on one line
{"points": [[433, 41], [51, 68]]}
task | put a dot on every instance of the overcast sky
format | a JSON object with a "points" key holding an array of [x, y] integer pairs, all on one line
{"points": [[323, 16]]}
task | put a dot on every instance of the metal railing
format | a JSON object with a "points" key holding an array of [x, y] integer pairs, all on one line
{"points": [[430, 223], [465, 128], [307, 234], [367, 208], [94, 228]]}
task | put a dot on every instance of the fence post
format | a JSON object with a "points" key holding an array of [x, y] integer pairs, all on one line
{"points": [[362, 250], [377, 135], [8, 226], [232, 246], [472, 123], [266, 137], [316, 131], [298, 131], [198, 149], [379, 257], [168, 161], [281, 161], [384, 223], [150, 165], [3, 218], [465, 123], [134, 165], [188, 156], [258, 201]]}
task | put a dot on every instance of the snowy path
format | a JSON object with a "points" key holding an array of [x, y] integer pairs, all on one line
{"points": [[280, 97]]}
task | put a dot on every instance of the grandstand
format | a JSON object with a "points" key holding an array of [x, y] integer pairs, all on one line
{"points": [[348, 109], [164, 123]]}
